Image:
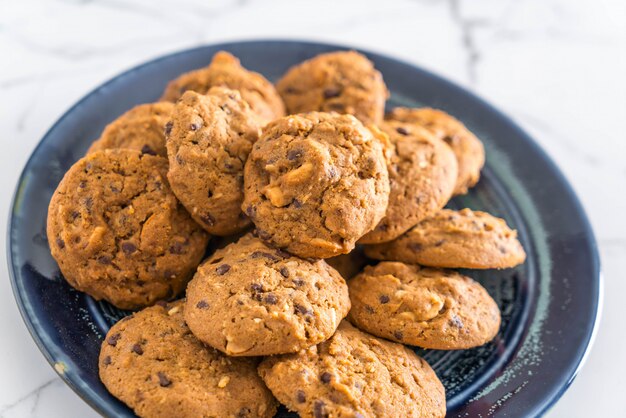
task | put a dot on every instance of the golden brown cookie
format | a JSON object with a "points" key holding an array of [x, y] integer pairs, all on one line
{"points": [[468, 149], [251, 300], [210, 139], [422, 174], [225, 70], [142, 128], [343, 82], [455, 239], [315, 183], [355, 375], [152, 362], [119, 233], [430, 308]]}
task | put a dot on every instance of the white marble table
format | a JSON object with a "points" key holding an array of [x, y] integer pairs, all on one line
{"points": [[556, 66]]}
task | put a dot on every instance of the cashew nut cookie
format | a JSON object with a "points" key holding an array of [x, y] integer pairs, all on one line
{"points": [[251, 300], [118, 232], [422, 174], [315, 183], [154, 364], [355, 375], [468, 149], [455, 239], [142, 128], [343, 82], [225, 70], [210, 137], [429, 308]]}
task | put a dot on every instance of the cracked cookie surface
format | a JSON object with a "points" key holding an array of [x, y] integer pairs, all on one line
{"points": [[343, 82], [142, 128], [355, 375], [422, 174], [316, 182], [209, 141], [153, 363], [455, 239], [248, 300], [468, 149], [429, 308], [225, 70], [118, 232]]}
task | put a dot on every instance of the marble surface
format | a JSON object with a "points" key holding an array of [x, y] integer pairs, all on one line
{"points": [[556, 66]]}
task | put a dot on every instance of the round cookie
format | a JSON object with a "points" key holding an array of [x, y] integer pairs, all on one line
{"points": [[142, 128], [422, 173], [468, 149], [429, 308], [355, 375], [251, 300], [208, 144], [343, 82], [225, 70], [455, 239], [152, 362], [118, 232], [315, 183]]}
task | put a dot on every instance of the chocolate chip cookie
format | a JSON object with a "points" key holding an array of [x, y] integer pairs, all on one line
{"points": [[355, 375], [455, 239], [343, 82], [316, 182], [152, 363], [210, 137], [251, 300], [429, 308], [118, 232], [468, 149], [142, 128], [225, 70], [422, 173]]}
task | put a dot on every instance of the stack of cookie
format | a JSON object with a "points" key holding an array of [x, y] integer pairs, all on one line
{"points": [[283, 178]]}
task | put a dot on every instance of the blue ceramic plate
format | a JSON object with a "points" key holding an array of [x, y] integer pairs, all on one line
{"points": [[549, 305]]}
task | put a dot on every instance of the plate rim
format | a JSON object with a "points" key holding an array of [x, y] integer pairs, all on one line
{"points": [[598, 279]]}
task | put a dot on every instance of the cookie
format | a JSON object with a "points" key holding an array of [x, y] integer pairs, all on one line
{"points": [[118, 232], [468, 149], [422, 174], [455, 239], [315, 183], [429, 308], [152, 362], [225, 70], [142, 128], [343, 82], [208, 144], [355, 375], [251, 300]]}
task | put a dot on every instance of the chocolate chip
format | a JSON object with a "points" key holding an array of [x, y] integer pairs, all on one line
{"points": [[319, 410], [256, 287], [298, 282], [271, 299], [415, 247], [382, 226], [302, 310], [259, 254], [113, 339], [331, 92], [60, 243], [243, 412], [137, 349], [164, 381], [296, 204], [383, 299], [369, 309], [502, 249], [251, 211], [300, 396], [168, 128], [282, 254], [209, 193], [325, 377], [284, 271], [128, 247], [180, 160], [161, 303], [402, 130], [262, 234], [440, 243], [104, 259], [82, 184], [222, 269], [107, 360], [193, 127], [449, 139], [208, 219], [203, 304], [398, 335], [332, 172], [177, 248], [147, 150], [294, 154]]}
